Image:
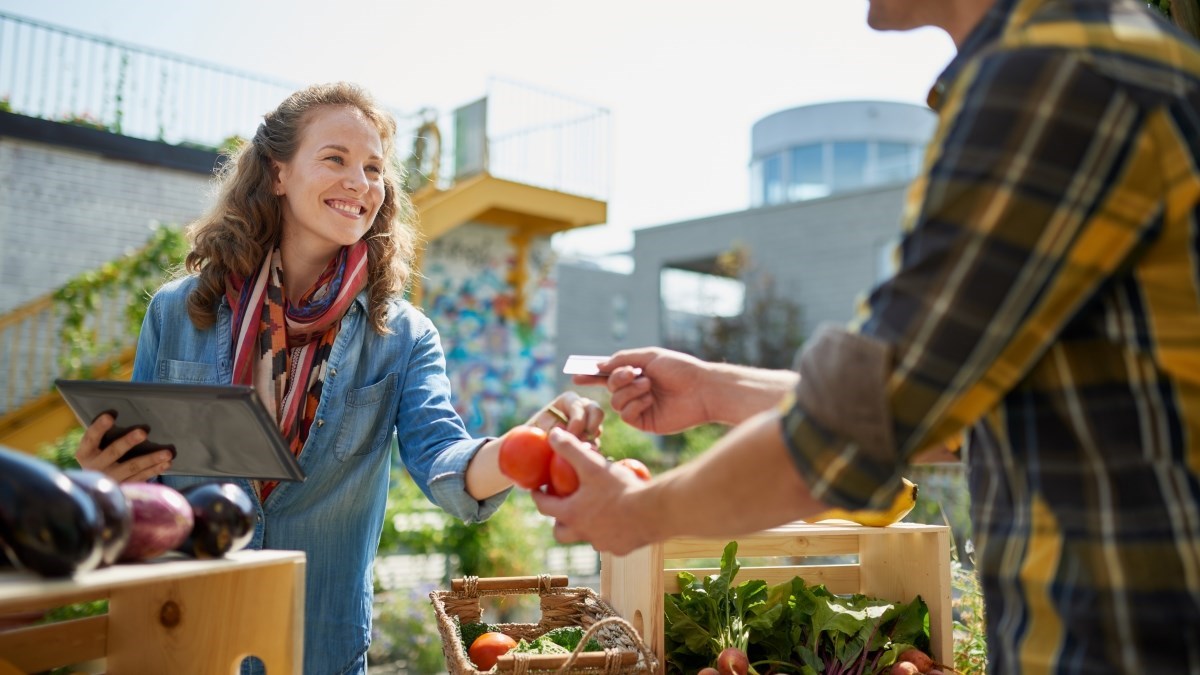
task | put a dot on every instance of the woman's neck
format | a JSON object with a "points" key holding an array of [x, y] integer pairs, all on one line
{"points": [[301, 269]]}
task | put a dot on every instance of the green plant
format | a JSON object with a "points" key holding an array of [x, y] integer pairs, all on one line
{"points": [[970, 631], [5, 105], [509, 543], [84, 120], [404, 630], [1163, 6], [135, 275]]}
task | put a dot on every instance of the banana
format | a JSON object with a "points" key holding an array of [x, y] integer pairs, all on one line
{"points": [[904, 502]]}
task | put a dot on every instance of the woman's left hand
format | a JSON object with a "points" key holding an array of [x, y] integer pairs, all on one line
{"points": [[581, 416]]}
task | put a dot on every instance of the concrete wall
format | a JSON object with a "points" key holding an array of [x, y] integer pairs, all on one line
{"points": [[823, 253]]}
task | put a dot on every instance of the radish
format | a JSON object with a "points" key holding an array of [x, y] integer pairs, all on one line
{"points": [[733, 661], [162, 520]]}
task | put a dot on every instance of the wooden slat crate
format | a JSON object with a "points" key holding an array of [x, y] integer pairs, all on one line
{"points": [[895, 563], [172, 615]]}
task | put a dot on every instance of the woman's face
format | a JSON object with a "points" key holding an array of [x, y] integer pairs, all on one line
{"points": [[333, 187]]}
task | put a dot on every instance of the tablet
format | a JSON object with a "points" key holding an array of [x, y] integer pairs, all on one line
{"points": [[213, 430]]}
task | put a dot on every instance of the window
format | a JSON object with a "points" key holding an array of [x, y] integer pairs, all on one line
{"points": [[773, 179], [807, 173], [893, 163], [620, 317], [849, 165]]}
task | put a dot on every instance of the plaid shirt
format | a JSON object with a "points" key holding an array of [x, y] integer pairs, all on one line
{"points": [[1048, 299]]}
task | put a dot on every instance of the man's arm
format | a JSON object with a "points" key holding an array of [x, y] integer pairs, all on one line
{"points": [[736, 487], [1025, 210]]}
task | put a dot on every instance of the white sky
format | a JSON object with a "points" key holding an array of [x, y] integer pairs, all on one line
{"points": [[684, 79]]}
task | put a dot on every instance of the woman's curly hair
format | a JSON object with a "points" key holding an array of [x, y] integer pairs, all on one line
{"points": [[244, 225]]}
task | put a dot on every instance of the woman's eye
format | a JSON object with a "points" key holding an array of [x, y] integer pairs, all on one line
{"points": [[374, 169], [335, 158]]}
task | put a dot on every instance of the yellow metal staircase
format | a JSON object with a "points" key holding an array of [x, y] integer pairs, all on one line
{"points": [[31, 411]]}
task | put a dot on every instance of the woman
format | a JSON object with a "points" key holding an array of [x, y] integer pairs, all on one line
{"points": [[295, 288]]}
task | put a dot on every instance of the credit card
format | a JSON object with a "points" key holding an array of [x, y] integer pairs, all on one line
{"points": [[579, 364]]}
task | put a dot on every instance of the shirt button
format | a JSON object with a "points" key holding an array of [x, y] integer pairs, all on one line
{"points": [[333, 372], [320, 423]]}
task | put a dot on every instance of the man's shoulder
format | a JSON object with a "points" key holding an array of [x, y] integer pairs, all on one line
{"points": [[1120, 40]]}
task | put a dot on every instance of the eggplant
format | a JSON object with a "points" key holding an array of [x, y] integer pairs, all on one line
{"points": [[48, 524], [224, 516], [162, 519], [118, 517]]}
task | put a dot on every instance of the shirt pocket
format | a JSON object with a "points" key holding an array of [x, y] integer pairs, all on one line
{"points": [[189, 372], [367, 419]]}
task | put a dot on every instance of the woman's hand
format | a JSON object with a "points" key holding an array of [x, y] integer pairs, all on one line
{"points": [[582, 417], [91, 456]]}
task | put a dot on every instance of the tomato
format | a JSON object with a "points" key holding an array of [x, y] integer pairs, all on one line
{"points": [[563, 479], [636, 467], [489, 647], [525, 456]]}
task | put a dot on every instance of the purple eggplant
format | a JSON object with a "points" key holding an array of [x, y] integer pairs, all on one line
{"points": [[118, 517], [162, 519], [224, 516], [48, 524]]}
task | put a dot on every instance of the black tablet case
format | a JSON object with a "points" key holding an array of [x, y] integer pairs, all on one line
{"points": [[216, 431]]}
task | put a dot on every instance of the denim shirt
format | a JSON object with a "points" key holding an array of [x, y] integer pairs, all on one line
{"points": [[376, 385]]}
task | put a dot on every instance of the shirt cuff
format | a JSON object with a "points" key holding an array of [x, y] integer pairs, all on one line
{"points": [[448, 484], [838, 427]]}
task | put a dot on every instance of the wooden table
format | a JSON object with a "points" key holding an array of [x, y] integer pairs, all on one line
{"points": [[169, 615]]}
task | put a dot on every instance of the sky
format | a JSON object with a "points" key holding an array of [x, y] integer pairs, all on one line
{"points": [[683, 80]]}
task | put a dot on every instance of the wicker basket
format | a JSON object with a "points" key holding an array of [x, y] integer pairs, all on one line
{"points": [[624, 651]]}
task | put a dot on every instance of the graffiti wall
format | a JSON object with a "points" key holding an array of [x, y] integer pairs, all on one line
{"points": [[501, 365]]}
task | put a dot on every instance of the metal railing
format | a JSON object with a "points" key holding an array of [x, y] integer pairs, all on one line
{"points": [[516, 131], [32, 349]]}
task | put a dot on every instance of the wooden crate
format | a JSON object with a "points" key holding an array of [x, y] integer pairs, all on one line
{"points": [[171, 615], [896, 563]]}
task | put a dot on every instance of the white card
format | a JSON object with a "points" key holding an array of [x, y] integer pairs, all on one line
{"points": [[578, 364]]}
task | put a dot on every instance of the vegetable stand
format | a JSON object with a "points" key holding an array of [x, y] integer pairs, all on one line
{"points": [[897, 563], [169, 615]]}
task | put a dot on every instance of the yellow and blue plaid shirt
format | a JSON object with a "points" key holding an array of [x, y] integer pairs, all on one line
{"points": [[1047, 299]]}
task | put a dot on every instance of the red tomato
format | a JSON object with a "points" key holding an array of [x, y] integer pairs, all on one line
{"points": [[489, 647], [525, 456], [636, 467], [563, 479]]}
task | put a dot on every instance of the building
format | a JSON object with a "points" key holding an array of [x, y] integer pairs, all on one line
{"points": [[828, 183], [86, 171]]}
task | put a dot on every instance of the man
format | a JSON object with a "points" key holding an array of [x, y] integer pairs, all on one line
{"points": [[1047, 299]]}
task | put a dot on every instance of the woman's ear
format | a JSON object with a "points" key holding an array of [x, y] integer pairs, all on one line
{"points": [[277, 170]]}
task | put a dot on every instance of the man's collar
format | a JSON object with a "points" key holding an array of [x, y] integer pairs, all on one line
{"points": [[988, 30]]}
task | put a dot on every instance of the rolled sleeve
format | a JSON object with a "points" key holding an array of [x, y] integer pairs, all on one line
{"points": [[448, 484], [837, 426]]}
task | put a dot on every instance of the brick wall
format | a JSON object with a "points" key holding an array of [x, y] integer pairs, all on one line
{"points": [[66, 210]]}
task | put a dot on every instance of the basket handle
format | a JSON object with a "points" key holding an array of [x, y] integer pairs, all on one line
{"points": [[612, 662], [543, 582]]}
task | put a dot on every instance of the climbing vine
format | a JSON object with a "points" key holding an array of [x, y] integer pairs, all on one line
{"points": [[123, 285]]}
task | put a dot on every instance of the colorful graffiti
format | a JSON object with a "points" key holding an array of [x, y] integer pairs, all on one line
{"points": [[501, 368]]}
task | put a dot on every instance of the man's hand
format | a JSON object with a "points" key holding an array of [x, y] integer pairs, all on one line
{"points": [[655, 390], [92, 457], [609, 507]]}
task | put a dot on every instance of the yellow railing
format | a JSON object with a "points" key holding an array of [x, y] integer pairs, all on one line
{"points": [[33, 354]]}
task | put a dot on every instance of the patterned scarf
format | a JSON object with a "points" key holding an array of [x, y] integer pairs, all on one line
{"points": [[282, 350]]}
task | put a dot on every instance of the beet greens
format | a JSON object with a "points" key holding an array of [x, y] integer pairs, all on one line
{"points": [[788, 628]]}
